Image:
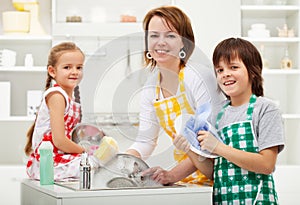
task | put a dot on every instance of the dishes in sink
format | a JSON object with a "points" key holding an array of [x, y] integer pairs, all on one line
{"points": [[87, 135]]}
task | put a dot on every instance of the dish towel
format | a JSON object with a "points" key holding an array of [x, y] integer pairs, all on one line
{"points": [[196, 123]]}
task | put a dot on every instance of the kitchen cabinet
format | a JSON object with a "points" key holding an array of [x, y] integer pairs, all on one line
{"points": [[24, 78], [281, 85]]}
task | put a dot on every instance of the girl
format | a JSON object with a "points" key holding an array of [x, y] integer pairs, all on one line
{"points": [[177, 86], [250, 126], [58, 113]]}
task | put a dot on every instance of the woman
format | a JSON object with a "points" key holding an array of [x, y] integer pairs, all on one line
{"points": [[176, 87]]}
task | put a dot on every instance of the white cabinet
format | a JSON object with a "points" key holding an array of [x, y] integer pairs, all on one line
{"points": [[282, 85], [98, 23], [23, 78]]}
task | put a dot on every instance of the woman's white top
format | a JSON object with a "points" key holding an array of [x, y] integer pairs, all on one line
{"points": [[200, 87]]}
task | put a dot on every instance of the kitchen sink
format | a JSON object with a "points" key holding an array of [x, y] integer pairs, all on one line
{"points": [[122, 172], [74, 185]]}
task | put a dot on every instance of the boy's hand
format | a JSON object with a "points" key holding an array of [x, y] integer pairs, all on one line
{"points": [[207, 141]]}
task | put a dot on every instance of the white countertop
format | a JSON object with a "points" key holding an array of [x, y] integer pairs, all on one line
{"points": [[58, 191]]}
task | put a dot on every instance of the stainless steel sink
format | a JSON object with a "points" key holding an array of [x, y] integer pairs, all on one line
{"points": [[74, 185], [119, 174]]}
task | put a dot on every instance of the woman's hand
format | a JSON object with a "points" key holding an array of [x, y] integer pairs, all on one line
{"points": [[159, 175], [181, 143], [207, 141]]}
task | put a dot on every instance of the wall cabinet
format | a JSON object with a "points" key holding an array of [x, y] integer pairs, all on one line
{"points": [[23, 78], [281, 85]]}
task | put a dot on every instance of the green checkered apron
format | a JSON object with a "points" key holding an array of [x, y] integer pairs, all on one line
{"points": [[232, 184]]}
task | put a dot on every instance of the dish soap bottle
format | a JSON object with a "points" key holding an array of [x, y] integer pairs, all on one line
{"points": [[286, 62], [46, 163], [85, 172]]}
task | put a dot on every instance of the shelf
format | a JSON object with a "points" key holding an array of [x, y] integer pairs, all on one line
{"points": [[270, 8], [281, 72], [273, 40], [25, 37], [96, 29], [291, 116], [17, 118], [24, 69], [268, 11]]}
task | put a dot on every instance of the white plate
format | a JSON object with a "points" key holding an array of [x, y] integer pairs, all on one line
{"points": [[203, 153], [179, 125], [180, 122]]}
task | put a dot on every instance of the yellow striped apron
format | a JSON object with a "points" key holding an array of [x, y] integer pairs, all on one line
{"points": [[167, 110]]}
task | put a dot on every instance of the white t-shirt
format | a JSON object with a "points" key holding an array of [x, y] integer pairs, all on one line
{"points": [[200, 87]]}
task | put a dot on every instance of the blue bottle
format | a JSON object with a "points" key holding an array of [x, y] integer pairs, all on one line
{"points": [[46, 163]]}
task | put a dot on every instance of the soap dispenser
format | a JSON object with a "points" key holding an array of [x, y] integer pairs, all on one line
{"points": [[85, 172]]}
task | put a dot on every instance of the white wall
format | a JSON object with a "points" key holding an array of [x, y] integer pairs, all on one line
{"points": [[213, 21], [10, 177]]}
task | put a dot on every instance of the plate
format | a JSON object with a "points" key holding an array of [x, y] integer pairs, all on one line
{"points": [[179, 125], [180, 122], [205, 153]]}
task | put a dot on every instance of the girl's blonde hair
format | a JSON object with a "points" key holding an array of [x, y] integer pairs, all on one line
{"points": [[54, 55]]}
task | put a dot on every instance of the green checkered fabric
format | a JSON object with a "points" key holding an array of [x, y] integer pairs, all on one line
{"points": [[232, 184]]}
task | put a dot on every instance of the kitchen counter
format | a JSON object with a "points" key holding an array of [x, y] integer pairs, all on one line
{"points": [[32, 193]]}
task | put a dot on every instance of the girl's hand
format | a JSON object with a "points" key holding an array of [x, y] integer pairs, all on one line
{"points": [[181, 143], [207, 141]]}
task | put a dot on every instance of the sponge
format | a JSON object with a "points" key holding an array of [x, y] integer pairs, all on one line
{"points": [[107, 149]]}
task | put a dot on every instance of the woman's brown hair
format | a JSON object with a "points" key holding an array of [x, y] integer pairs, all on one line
{"points": [[175, 19], [231, 48], [53, 58]]}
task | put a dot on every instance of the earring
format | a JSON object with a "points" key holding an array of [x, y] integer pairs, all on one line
{"points": [[182, 54], [148, 55]]}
